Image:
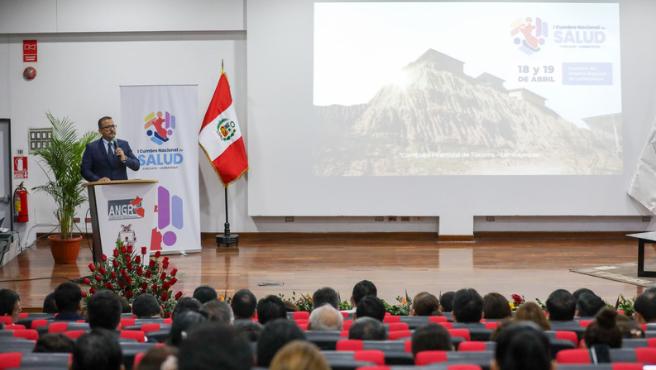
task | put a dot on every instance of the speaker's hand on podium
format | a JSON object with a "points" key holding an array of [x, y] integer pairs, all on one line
{"points": [[104, 179]]}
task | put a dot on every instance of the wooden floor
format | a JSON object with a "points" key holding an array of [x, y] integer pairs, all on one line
{"points": [[531, 267]]}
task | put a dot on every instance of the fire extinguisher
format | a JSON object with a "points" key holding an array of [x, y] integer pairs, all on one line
{"points": [[20, 204]]}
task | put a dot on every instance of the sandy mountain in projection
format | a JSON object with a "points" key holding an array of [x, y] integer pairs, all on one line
{"points": [[445, 122]]}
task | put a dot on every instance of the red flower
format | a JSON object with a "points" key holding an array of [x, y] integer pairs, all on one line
{"points": [[148, 274], [139, 271], [128, 266], [86, 281], [517, 299], [92, 290], [128, 294], [129, 249], [113, 275], [158, 254], [162, 276], [98, 277], [84, 294], [115, 253], [128, 280], [173, 281], [104, 258], [144, 285], [151, 264], [92, 267], [164, 296], [121, 284], [115, 263], [144, 250], [154, 287], [178, 295], [123, 250], [165, 285], [174, 271], [137, 259], [102, 270], [109, 286]]}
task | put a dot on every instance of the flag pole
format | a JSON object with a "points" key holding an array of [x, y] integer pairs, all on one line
{"points": [[227, 239]]}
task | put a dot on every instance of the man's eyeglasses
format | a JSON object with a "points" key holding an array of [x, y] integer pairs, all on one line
{"points": [[108, 127]]}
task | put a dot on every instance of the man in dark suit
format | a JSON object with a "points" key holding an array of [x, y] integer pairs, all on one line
{"points": [[106, 159]]}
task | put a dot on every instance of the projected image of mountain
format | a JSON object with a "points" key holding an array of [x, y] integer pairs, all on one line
{"points": [[444, 122]]}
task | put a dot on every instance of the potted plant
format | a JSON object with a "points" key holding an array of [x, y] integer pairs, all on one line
{"points": [[63, 156]]}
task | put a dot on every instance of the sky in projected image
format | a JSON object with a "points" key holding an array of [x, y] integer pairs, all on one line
{"points": [[467, 88]]}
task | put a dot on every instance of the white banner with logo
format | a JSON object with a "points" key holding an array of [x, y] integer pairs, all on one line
{"points": [[161, 125]]}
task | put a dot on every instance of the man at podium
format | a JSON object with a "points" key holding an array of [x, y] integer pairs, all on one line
{"points": [[107, 158]]}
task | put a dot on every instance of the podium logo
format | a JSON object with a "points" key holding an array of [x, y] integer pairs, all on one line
{"points": [[124, 209], [159, 126], [169, 218]]}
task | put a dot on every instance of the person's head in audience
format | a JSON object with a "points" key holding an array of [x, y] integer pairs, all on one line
{"points": [[561, 305], [270, 308], [362, 289], [366, 328], [496, 307], [522, 346], [67, 297], [578, 292], [425, 304], [205, 293], [325, 317], [299, 355], [275, 335], [324, 296], [97, 350], [104, 310], [215, 346], [146, 306], [645, 306], [249, 329], [370, 306], [431, 337], [186, 304], [125, 305], [10, 304], [630, 328], [446, 301], [49, 304], [51, 342], [243, 304], [467, 306], [217, 311], [183, 323], [530, 311], [604, 330], [588, 305], [155, 357]]}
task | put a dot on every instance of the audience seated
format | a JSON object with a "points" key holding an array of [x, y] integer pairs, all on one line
{"points": [[160, 358], [325, 295], [54, 343], [630, 328], [496, 307], [561, 306], [361, 289], [97, 350], [67, 297], [186, 304], [645, 306], [522, 346], [530, 311], [270, 308], [248, 329], [145, 306], [588, 305], [370, 306], [215, 346], [276, 334], [243, 304], [431, 337], [578, 292], [603, 330], [299, 355], [10, 304], [366, 328], [425, 304], [205, 293], [446, 301], [125, 305], [104, 310], [183, 323], [467, 306], [49, 304], [217, 312], [326, 317]]}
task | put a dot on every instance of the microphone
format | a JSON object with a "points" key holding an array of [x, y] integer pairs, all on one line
{"points": [[114, 146]]}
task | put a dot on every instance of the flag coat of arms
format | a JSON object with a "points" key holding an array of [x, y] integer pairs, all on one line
{"points": [[220, 136]]}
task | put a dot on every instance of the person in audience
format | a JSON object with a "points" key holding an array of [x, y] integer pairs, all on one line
{"points": [[97, 350], [205, 293], [326, 317], [578, 292], [243, 304], [446, 301], [561, 305], [630, 328], [215, 346], [183, 323], [270, 308], [366, 328], [522, 346], [186, 304], [425, 304], [125, 305], [299, 355], [431, 337], [145, 306], [362, 289], [496, 307], [588, 305], [49, 304], [370, 306], [467, 306], [67, 297], [603, 330], [530, 311], [104, 310], [217, 312], [325, 295], [645, 307], [156, 357], [51, 342], [250, 330], [275, 335], [10, 304]]}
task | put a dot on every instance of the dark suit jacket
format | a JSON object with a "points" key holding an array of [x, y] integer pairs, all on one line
{"points": [[96, 164]]}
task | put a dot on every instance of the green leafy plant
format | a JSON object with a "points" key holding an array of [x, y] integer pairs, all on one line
{"points": [[63, 157], [626, 305]]}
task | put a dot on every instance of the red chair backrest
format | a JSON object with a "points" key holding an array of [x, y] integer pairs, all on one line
{"points": [[373, 368], [347, 324], [349, 345], [30, 334], [38, 323], [6, 320], [137, 335], [646, 355], [463, 367], [74, 334], [14, 327], [408, 346], [461, 333], [491, 325], [128, 321], [585, 323], [370, 355], [23, 315], [651, 342], [345, 315], [151, 326], [58, 327], [573, 356], [446, 325], [567, 335], [301, 315], [390, 319], [437, 319], [430, 357], [10, 360], [169, 320], [398, 326], [137, 359], [399, 334], [469, 346], [626, 366]]}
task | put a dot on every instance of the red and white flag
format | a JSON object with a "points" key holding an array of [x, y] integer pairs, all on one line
{"points": [[220, 136]]}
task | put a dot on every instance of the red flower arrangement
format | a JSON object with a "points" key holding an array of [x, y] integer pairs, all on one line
{"points": [[128, 277]]}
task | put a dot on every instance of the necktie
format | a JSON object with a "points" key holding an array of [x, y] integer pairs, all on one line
{"points": [[110, 151]]}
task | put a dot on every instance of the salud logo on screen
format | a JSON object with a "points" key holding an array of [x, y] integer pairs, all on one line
{"points": [[529, 36], [169, 219], [159, 126]]}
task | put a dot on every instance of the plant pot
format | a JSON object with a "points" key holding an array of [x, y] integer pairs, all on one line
{"points": [[65, 251]]}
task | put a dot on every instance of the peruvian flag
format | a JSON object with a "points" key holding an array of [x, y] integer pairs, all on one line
{"points": [[220, 136]]}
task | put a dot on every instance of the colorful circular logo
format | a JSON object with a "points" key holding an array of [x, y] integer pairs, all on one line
{"points": [[159, 126]]}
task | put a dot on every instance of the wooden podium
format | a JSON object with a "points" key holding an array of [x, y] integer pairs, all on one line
{"points": [[121, 209]]}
